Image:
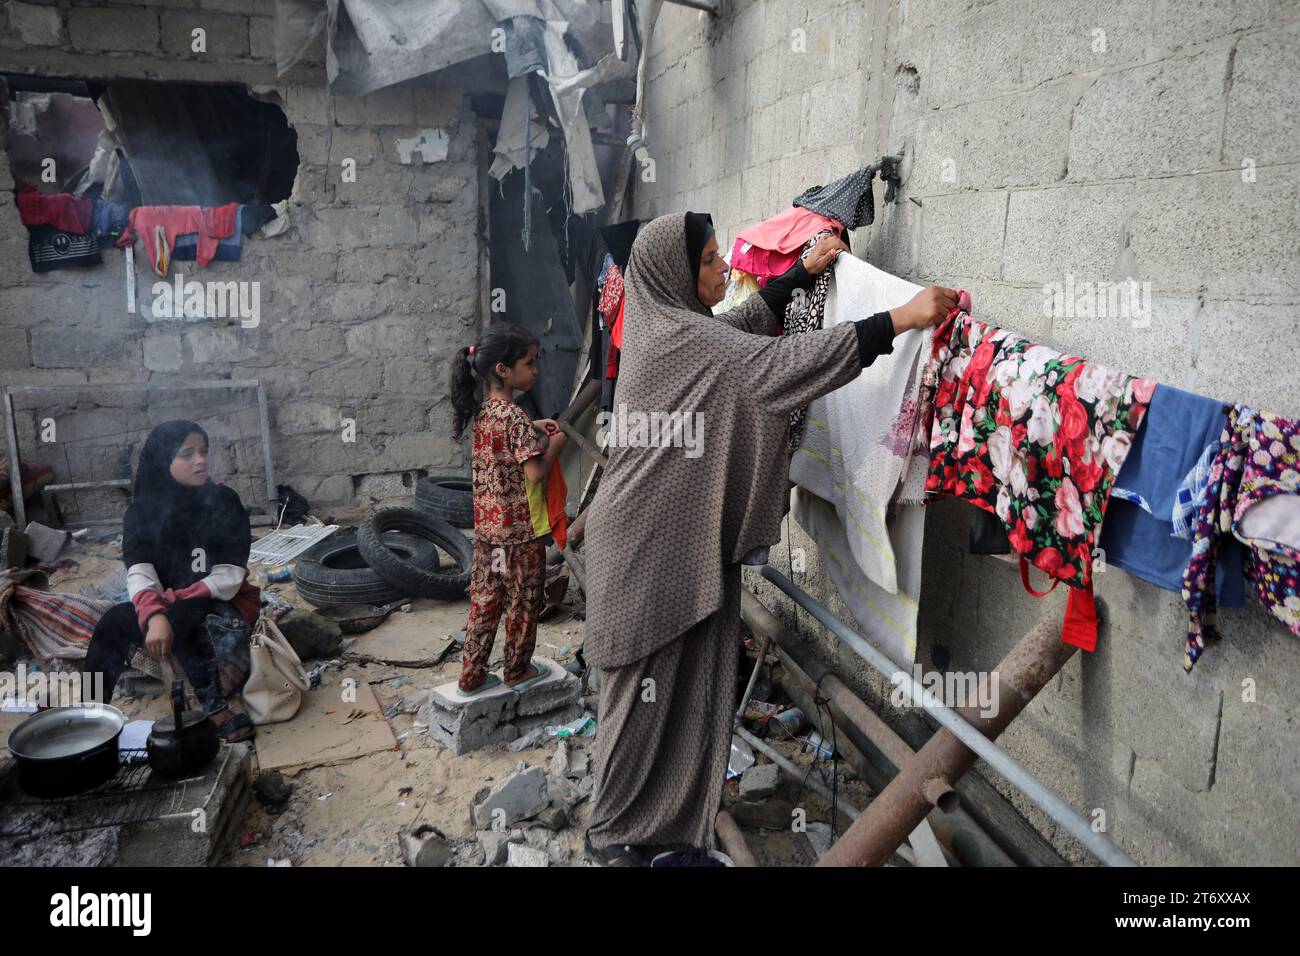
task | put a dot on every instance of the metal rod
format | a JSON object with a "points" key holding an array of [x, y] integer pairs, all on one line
{"points": [[15, 472], [753, 677], [733, 841], [1042, 797], [131, 387], [264, 423]]}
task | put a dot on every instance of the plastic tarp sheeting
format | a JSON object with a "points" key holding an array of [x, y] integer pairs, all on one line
{"points": [[518, 110]]}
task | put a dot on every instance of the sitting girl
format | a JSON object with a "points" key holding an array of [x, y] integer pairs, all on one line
{"points": [[185, 543]]}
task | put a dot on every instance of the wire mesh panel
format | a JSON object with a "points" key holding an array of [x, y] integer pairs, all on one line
{"points": [[90, 438], [285, 544], [135, 795]]}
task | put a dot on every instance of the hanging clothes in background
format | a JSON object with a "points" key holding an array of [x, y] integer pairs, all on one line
{"points": [[618, 238], [1138, 533], [847, 200], [159, 226], [254, 216], [610, 308], [855, 464], [770, 247], [740, 286], [62, 211], [108, 220], [804, 314], [1037, 438], [1254, 494], [228, 249], [49, 248], [1033, 436]]}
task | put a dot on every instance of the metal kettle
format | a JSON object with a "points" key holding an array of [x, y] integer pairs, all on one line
{"points": [[184, 742]]}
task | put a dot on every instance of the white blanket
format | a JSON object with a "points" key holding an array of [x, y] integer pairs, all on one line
{"points": [[859, 438]]}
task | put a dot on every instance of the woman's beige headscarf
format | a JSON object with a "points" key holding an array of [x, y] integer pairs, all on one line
{"points": [[667, 519]]}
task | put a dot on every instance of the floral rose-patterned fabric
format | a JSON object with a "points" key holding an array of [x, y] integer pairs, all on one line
{"points": [[504, 438], [1258, 458], [1031, 435]]}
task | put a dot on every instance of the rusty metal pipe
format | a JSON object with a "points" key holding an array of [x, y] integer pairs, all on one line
{"points": [[1034, 660], [842, 698]]}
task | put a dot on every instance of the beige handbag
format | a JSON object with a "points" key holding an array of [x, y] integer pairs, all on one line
{"points": [[276, 680]]}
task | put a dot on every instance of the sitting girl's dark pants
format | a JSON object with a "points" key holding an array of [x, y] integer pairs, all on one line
{"points": [[203, 632]]}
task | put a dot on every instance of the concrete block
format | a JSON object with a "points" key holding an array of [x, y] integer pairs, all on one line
{"points": [[1220, 248], [426, 846], [1151, 120], [36, 25], [225, 37], [1238, 345], [1187, 22], [62, 348], [236, 6], [391, 106], [935, 154], [1056, 42], [551, 718], [14, 352], [1161, 349], [1264, 100], [1054, 233], [973, 57], [1018, 140], [520, 796], [759, 782], [119, 28], [962, 235], [495, 844], [519, 855], [261, 39], [226, 789]]}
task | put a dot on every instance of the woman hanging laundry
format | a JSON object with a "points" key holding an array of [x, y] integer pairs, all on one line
{"points": [[185, 543], [668, 530]]}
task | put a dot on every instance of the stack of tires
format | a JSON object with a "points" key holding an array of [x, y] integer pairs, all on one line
{"points": [[391, 556]]}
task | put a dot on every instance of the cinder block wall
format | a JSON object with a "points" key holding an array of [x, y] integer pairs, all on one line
{"points": [[362, 302], [1042, 138]]}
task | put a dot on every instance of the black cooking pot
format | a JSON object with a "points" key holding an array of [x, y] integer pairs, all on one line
{"points": [[67, 750], [184, 742]]}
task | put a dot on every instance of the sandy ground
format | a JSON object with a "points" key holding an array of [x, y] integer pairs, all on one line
{"points": [[351, 813]]}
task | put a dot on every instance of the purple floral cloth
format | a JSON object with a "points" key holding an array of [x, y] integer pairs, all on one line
{"points": [[1258, 458]]}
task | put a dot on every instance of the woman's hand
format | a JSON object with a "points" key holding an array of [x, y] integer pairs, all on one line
{"points": [[823, 253], [158, 639], [928, 307], [547, 426]]}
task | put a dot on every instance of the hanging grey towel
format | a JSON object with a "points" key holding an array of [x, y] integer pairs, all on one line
{"points": [[847, 200]]}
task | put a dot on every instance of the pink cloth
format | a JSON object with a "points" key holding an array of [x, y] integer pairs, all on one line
{"points": [[774, 243], [158, 227]]}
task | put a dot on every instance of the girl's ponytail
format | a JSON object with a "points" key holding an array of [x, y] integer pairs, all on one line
{"points": [[465, 397], [474, 365]]}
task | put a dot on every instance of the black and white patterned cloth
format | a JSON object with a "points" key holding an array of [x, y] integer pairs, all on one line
{"points": [[804, 314], [847, 200]]}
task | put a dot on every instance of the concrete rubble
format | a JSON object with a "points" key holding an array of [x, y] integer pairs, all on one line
{"points": [[501, 715], [520, 796]]}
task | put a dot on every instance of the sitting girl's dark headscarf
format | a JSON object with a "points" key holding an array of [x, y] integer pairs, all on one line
{"points": [[167, 519]]}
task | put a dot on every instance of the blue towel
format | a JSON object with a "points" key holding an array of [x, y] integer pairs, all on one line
{"points": [[1176, 430]]}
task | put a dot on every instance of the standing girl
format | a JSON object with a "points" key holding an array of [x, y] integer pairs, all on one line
{"points": [[509, 466]]}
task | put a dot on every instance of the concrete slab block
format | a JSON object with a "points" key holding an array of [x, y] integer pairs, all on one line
{"points": [[1152, 120], [520, 796]]}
